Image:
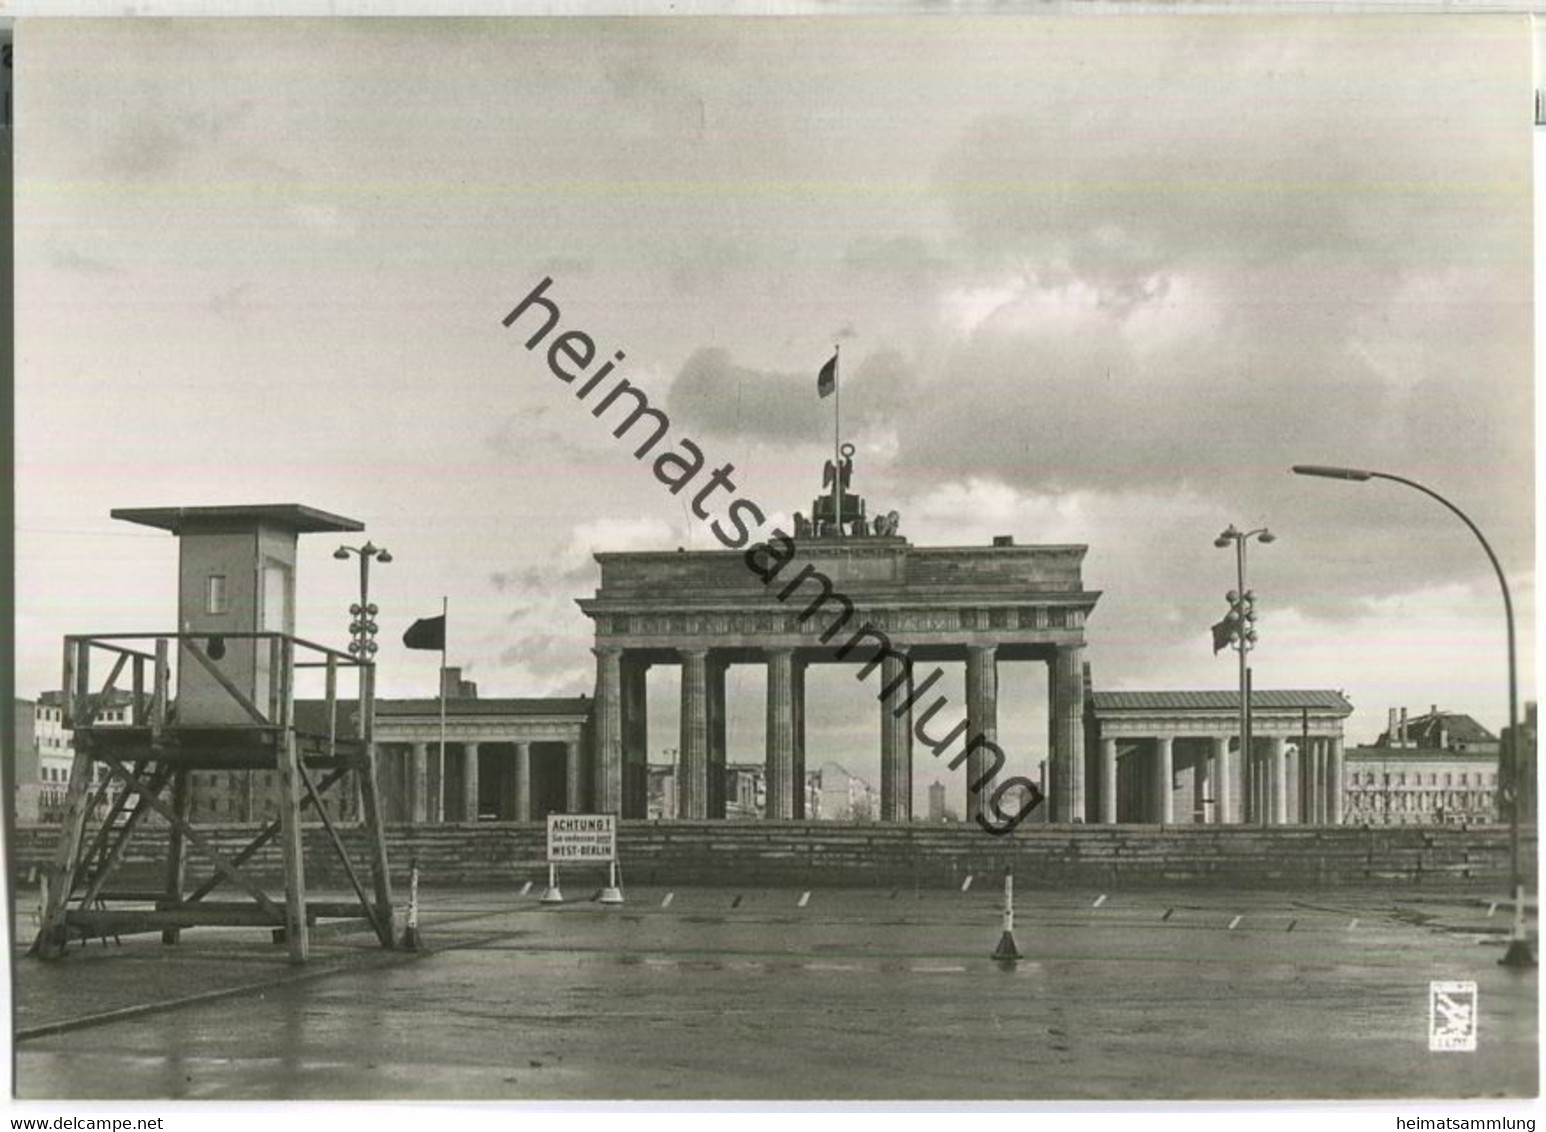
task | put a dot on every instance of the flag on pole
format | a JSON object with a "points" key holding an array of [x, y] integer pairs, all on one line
{"points": [[427, 633], [1223, 635], [826, 381]]}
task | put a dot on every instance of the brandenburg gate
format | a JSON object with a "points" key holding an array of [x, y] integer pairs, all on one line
{"points": [[705, 611]]}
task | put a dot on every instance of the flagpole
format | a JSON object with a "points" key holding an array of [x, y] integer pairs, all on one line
{"points": [[445, 626], [837, 439]]}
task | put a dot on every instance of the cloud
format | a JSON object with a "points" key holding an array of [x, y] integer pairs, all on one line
{"points": [[715, 394], [65, 256]]}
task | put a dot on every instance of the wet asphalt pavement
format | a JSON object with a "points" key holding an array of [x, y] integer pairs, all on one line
{"points": [[1164, 994]]}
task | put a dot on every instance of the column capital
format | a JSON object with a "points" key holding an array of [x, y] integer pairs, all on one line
{"points": [[694, 653], [981, 650], [778, 651], [606, 652]]}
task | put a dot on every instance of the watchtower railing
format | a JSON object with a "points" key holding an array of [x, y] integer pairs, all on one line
{"points": [[153, 663]]}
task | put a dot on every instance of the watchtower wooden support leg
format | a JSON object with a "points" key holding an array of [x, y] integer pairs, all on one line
{"points": [[297, 936], [383, 931], [370, 800], [52, 936], [177, 856]]}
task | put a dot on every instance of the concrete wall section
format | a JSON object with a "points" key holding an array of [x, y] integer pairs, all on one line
{"points": [[789, 854]]}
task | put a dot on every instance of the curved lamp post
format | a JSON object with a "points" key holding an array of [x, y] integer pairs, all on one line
{"points": [[1520, 953], [1242, 602], [363, 628]]}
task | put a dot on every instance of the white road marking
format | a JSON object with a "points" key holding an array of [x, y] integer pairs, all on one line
{"points": [[1235, 922], [967, 883], [805, 898], [666, 903], [525, 888], [1099, 900], [937, 970]]}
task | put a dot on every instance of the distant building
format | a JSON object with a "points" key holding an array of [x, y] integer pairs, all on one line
{"points": [[1440, 768], [1437, 731], [745, 792], [936, 803], [41, 784], [840, 795]]}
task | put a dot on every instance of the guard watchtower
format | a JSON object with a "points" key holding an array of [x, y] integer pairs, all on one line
{"points": [[217, 694]]}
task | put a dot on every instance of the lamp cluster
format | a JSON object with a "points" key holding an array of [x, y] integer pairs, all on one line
{"points": [[1241, 619], [363, 629]]}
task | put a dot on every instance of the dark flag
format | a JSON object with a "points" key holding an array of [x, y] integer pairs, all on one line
{"points": [[1223, 635], [826, 381], [427, 633]]}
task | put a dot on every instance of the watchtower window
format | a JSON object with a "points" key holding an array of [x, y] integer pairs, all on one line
{"points": [[215, 594]]}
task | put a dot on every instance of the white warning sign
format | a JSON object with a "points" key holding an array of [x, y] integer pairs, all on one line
{"points": [[581, 837]]}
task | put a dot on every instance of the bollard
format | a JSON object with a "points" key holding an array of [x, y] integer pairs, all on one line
{"points": [[411, 932], [1520, 955], [1006, 951], [552, 895]]}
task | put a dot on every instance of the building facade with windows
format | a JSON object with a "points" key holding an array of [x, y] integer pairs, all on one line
{"points": [[1439, 768]]}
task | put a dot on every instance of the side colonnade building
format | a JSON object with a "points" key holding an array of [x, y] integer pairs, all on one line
{"points": [[1165, 757]]}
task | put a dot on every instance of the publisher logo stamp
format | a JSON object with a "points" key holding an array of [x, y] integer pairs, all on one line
{"points": [[1451, 1017]]}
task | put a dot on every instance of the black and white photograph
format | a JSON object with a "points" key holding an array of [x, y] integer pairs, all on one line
{"points": [[940, 553]]}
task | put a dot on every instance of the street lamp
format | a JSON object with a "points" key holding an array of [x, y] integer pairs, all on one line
{"points": [[1520, 953], [362, 629], [1242, 634]]}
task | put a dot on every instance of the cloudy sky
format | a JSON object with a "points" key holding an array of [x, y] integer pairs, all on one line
{"points": [[1097, 281]]}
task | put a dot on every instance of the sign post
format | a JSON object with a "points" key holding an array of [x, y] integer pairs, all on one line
{"points": [[580, 839]]}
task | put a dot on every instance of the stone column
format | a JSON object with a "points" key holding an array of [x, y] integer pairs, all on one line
{"points": [[470, 782], [1277, 755], [1335, 788], [981, 719], [797, 694], [608, 761], [418, 785], [574, 780], [1164, 773], [896, 740], [714, 675], [523, 782], [634, 675], [1201, 785], [692, 787], [1108, 781], [1067, 715], [1315, 784], [1222, 784], [779, 770]]}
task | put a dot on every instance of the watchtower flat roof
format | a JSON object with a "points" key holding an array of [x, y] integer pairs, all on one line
{"points": [[291, 516]]}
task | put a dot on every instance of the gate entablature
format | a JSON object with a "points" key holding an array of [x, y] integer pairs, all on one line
{"points": [[1025, 599]]}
